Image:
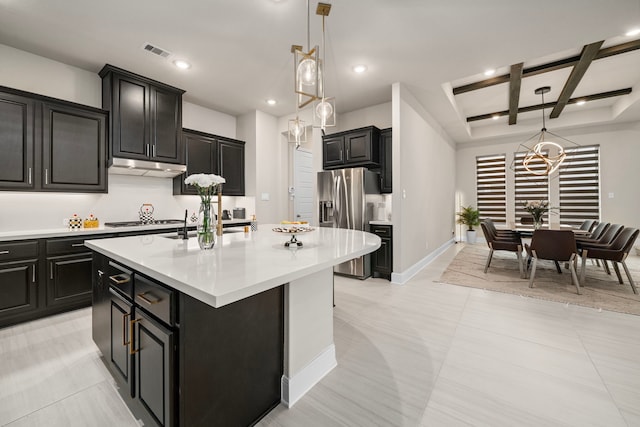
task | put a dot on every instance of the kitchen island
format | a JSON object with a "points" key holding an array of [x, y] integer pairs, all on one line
{"points": [[239, 320]]}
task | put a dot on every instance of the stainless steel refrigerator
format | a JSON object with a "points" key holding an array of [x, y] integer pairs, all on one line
{"points": [[346, 200]]}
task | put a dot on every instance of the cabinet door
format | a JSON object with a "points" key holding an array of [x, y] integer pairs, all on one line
{"points": [[119, 354], [130, 117], [69, 280], [154, 368], [231, 167], [358, 147], [18, 288], [385, 161], [166, 125], [333, 152], [74, 149], [382, 257], [201, 157], [16, 142]]}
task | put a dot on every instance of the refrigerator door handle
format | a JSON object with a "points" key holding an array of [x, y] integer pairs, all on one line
{"points": [[337, 206]]}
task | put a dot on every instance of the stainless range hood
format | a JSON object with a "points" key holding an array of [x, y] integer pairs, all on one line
{"points": [[145, 168]]}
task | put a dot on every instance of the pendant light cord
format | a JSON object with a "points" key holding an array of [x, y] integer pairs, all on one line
{"points": [[544, 125]]}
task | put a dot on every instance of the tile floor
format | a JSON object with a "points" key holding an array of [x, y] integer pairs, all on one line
{"points": [[423, 354]]}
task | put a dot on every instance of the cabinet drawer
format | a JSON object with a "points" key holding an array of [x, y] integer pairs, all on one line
{"points": [[72, 245], [120, 279], [155, 299], [381, 230], [18, 250]]}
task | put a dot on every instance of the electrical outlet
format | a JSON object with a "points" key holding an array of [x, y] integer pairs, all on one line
{"points": [[65, 222]]}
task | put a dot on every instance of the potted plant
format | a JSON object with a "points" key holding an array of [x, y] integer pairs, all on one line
{"points": [[469, 217]]}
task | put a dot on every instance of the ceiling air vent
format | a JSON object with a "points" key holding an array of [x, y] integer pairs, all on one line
{"points": [[156, 50]]}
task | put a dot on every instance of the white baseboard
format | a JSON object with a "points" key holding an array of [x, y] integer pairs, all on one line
{"points": [[292, 389], [405, 276]]}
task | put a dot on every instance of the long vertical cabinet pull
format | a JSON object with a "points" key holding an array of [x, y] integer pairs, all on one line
{"points": [[29, 175], [33, 273], [51, 270], [132, 336], [124, 331], [153, 147], [46, 176]]}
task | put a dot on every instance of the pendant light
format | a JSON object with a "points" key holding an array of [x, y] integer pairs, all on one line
{"points": [[540, 153], [306, 71], [324, 109]]}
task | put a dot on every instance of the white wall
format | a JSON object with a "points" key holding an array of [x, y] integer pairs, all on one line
{"points": [[619, 172], [423, 182], [376, 115], [36, 210]]}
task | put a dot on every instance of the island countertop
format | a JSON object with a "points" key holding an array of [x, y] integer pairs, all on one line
{"points": [[240, 264]]}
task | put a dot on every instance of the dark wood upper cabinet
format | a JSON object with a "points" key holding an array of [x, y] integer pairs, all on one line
{"points": [[386, 138], [16, 142], [146, 116], [206, 153], [358, 147], [49, 144], [74, 149], [231, 166]]}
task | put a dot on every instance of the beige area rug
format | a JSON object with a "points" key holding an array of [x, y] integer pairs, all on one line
{"points": [[599, 291]]}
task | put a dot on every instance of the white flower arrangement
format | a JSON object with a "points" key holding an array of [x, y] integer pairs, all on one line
{"points": [[206, 184]]}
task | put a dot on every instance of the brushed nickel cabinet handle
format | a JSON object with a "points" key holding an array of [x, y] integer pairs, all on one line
{"points": [[33, 273], [147, 300], [46, 176], [154, 150], [76, 245], [29, 175], [4, 252], [51, 270]]}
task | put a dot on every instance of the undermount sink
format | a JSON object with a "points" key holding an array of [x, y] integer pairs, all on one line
{"points": [[191, 234]]}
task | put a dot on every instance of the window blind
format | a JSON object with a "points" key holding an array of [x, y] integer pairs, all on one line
{"points": [[491, 187], [579, 181], [529, 186]]}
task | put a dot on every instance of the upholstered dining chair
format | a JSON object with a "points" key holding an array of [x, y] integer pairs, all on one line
{"points": [[507, 243], [605, 238], [616, 252], [500, 233], [553, 245], [587, 225], [597, 231]]}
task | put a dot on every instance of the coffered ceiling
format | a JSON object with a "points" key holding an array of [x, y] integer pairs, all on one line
{"points": [[240, 52]]}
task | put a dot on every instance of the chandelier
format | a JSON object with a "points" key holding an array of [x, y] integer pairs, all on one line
{"points": [[540, 153]]}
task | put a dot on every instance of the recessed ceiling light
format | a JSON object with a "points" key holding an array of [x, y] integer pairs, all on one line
{"points": [[633, 32], [490, 72], [271, 101], [581, 102], [359, 69], [183, 65], [495, 116]]}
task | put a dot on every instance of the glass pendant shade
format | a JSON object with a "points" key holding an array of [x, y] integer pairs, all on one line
{"points": [[297, 131], [324, 113], [306, 74]]}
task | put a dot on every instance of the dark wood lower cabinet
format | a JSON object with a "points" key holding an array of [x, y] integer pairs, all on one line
{"points": [[181, 362], [154, 368], [69, 280], [382, 259], [18, 287]]}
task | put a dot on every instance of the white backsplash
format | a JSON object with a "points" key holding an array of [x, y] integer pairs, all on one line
{"points": [[36, 210]]}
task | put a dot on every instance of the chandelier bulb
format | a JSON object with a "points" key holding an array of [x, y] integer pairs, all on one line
{"points": [[307, 72]]}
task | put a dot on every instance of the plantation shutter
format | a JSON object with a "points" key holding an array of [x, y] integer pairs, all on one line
{"points": [[580, 185], [491, 187], [529, 186]]}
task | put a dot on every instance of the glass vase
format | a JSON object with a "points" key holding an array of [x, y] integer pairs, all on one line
{"points": [[537, 223], [206, 229]]}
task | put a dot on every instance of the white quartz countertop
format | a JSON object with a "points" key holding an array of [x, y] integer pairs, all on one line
{"points": [[380, 222], [65, 232], [240, 264]]}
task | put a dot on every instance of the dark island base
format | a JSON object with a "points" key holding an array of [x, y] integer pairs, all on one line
{"points": [[231, 359]]}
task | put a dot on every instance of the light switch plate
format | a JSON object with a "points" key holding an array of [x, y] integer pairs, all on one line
{"points": [[264, 196]]}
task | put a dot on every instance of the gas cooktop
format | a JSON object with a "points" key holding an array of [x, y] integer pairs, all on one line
{"points": [[139, 223]]}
